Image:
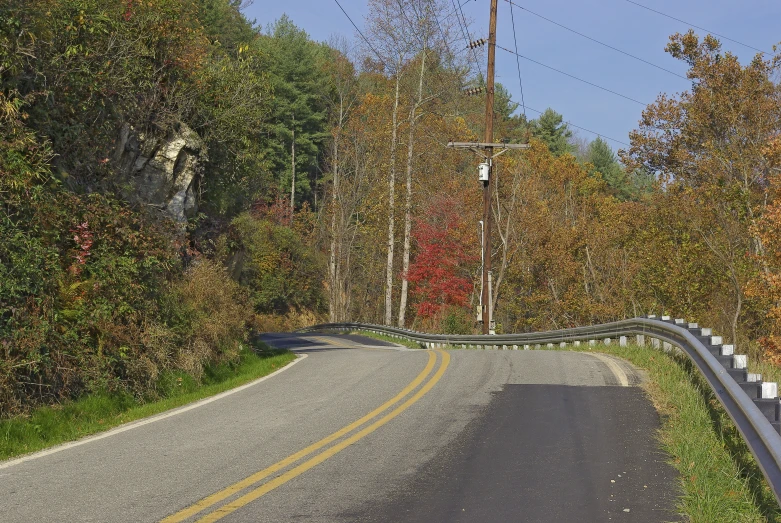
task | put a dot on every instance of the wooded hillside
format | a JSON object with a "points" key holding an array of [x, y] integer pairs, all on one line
{"points": [[174, 176]]}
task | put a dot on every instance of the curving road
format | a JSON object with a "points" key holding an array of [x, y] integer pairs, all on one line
{"points": [[361, 430]]}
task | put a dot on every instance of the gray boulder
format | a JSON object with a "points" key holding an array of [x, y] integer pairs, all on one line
{"points": [[162, 172]]}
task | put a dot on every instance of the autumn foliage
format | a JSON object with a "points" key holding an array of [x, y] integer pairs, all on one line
{"points": [[439, 273], [381, 222]]}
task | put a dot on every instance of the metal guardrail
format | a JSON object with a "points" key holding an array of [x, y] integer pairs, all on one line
{"points": [[753, 405]]}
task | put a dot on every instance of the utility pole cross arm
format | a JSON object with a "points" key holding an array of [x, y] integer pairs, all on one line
{"points": [[484, 145]]}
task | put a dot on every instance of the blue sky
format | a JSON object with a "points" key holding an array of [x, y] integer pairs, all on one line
{"points": [[615, 22]]}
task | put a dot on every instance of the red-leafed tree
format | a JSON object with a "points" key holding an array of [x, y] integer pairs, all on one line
{"points": [[439, 275]]}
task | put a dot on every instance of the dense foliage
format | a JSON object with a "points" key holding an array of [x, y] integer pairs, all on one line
{"points": [[96, 294]]}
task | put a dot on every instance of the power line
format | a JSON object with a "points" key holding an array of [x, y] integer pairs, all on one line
{"points": [[594, 39], [465, 33], [572, 76], [382, 61], [584, 129], [517, 61], [444, 37], [698, 27], [511, 100]]}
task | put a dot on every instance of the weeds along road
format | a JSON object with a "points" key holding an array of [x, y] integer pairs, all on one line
{"points": [[361, 431]]}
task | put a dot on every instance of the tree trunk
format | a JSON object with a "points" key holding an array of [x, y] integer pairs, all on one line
{"points": [[506, 236], [735, 318], [408, 203], [391, 204], [293, 165], [333, 303]]}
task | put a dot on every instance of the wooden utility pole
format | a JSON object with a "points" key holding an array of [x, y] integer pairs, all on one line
{"points": [[486, 150], [489, 138]]}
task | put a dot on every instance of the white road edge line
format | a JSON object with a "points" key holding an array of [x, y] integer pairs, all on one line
{"points": [[145, 421], [614, 367]]}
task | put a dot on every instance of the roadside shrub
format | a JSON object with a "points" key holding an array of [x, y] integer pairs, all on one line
{"points": [[456, 320], [93, 295], [281, 271], [218, 310]]}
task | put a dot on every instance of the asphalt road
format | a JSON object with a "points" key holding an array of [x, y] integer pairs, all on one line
{"points": [[359, 430]]}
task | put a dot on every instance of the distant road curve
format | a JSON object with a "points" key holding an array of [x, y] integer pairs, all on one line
{"points": [[363, 430]]}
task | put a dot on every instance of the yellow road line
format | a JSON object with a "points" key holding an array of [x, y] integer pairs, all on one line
{"points": [[312, 462], [258, 476]]}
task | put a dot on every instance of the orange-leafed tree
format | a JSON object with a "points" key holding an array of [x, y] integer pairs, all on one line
{"points": [[708, 145]]}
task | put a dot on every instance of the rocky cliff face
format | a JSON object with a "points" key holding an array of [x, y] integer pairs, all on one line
{"points": [[162, 172]]}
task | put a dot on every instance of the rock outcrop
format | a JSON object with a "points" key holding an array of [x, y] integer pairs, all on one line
{"points": [[162, 172]]}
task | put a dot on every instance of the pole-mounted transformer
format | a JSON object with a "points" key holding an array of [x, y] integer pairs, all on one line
{"points": [[483, 171]]}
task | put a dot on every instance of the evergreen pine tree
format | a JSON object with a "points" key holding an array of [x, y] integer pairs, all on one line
{"points": [[551, 129]]}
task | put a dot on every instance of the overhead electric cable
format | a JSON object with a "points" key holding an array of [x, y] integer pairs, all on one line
{"points": [[511, 100], [572, 76], [517, 60], [584, 129], [456, 7], [466, 35], [360, 33], [697, 27], [594, 40]]}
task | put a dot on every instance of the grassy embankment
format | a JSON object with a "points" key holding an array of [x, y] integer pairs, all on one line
{"points": [[49, 426]]}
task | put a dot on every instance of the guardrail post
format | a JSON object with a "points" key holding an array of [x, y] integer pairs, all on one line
{"points": [[769, 390]]}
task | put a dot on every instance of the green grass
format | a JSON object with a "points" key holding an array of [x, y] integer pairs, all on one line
{"points": [[719, 478], [383, 337], [49, 426]]}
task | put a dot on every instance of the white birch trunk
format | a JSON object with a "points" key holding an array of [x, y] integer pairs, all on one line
{"points": [[391, 205], [408, 203]]}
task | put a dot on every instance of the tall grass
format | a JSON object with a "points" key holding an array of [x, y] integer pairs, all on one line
{"points": [[719, 479], [52, 425]]}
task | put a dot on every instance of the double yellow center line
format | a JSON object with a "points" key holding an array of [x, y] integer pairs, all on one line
{"points": [[264, 488]]}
